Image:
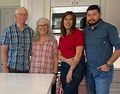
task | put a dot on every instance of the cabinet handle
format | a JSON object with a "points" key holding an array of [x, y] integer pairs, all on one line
{"points": [[72, 2], [77, 2]]}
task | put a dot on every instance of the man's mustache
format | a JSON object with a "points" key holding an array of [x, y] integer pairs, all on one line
{"points": [[91, 20]]}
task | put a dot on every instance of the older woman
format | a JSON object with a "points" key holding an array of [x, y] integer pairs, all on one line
{"points": [[44, 50]]}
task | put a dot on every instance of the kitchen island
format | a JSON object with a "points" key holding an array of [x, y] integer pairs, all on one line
{"points": [[12, 83]]}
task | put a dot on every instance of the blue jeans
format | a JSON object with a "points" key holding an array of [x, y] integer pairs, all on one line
{"points": [[78, 74], [99, 84]]}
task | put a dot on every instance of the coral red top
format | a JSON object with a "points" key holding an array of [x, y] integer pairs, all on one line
{"points": [[68, 44]]}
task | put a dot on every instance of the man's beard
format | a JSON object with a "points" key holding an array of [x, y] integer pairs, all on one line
{"points": [[93, 23]]}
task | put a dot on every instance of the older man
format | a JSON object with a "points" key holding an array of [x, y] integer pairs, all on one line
{"points": [[16, 44]]}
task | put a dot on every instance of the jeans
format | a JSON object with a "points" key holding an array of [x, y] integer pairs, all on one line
{"points": [[53, 90], [78, 74], [99, 84]]}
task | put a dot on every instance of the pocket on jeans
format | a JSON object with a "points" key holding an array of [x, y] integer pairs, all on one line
{"points": [[106, 74]]}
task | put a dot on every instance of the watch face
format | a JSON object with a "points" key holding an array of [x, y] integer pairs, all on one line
{"points": [[108, 65]]}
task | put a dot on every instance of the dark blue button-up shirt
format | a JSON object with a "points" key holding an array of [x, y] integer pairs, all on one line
{"points": [[99, 43], [19, 47]]}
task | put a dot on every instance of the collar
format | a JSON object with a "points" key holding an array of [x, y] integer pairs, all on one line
{"points": [[95, 26], [15, 26]]}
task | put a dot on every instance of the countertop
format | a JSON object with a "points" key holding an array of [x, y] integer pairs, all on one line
{"points": [[12, 83]]}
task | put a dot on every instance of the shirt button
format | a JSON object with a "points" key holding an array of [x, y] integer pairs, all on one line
{"points": [[104, 42]]}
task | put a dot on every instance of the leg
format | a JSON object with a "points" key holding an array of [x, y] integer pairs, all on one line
{"points": [[82, 89], [72, 87], [91, 85], [53, 90], [103, 84]]}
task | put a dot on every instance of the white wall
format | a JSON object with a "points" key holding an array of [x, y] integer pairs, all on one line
{"points": [[36, 9], [6, 3], [41, 8], [113, 13]]}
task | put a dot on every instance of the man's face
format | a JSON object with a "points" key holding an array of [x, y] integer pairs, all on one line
{"points": [[21, 16], [93, 16]]}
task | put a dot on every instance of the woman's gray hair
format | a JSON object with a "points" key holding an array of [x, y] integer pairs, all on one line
{"points": [[36, 35]]}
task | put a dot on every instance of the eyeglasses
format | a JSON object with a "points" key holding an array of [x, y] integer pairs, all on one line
{"points": [[21, 14], [42, 25]]}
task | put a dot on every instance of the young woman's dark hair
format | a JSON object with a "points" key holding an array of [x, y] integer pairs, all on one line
{"points": [[63, 30], [94, 7]]}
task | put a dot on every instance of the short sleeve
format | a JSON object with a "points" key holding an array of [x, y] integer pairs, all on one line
{"points": [[5, 37], [79, 38], [114, 36]]}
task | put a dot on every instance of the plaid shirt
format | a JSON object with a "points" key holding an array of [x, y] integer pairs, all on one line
{"points": [[42, 56], [19, 46]]}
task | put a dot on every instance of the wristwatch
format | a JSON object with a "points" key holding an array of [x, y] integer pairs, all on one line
{"points": [[108, 65]]}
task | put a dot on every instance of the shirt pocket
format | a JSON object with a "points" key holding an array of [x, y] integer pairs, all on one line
{"points": [[95, 40]]}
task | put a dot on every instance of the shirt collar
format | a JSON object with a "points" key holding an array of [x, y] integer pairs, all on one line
{"points": [[15, 26], [95, 26]]}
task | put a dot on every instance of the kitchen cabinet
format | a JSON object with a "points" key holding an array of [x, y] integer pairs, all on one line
{"points": [[6, 18], [89, 2], [59, 3], [62, 3], [36, 9], [112, 13]]}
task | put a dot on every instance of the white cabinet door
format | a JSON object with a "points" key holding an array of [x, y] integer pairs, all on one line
{"points": [[60, 3], [7, 18], [87, 2], [64, 3], [36, 9]]}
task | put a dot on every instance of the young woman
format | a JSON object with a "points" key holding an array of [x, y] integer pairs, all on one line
{"points": [[44, 51], [71, 45]]}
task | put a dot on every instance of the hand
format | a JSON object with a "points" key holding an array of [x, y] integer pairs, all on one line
{"points": [[5, 69], [54, 79], [70, 61], [69, 76], [104, 67]]}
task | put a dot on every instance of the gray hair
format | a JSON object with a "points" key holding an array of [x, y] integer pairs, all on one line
{"points": [[36, 35], [17, 10]]}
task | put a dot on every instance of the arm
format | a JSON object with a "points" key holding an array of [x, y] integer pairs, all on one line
{"points": [[79, 50], [55, 63], [68, 61], [115, 41], [4, 58], [61, 57], [55, 68], [114, 57]]}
